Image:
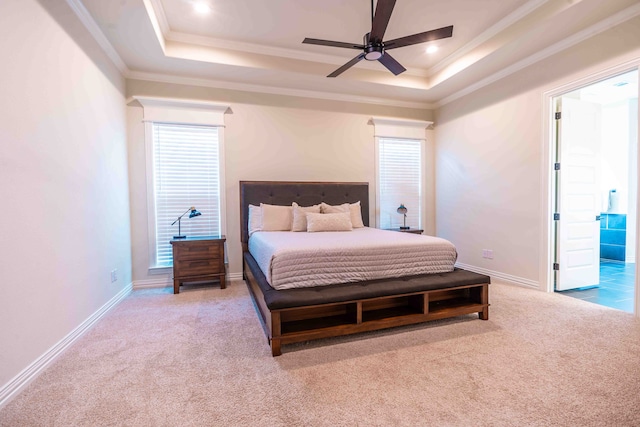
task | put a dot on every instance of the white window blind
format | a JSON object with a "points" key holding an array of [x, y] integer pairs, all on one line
{"points": [[400, 181], [186, 171]]}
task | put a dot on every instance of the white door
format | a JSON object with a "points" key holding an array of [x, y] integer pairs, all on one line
{"points": [[579, 200]]}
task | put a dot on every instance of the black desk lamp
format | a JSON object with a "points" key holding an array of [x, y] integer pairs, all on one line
{"points": [[403, 210], [193, 213]]}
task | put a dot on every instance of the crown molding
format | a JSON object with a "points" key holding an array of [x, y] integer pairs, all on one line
{"points": [[90, 24], [159, 18], [604, 25], [278, 52], [490, 32], [245, 87]]}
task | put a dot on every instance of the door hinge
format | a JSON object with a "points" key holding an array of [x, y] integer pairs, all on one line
{"points": [[556, 266], [556, 166], [558, 115], [556, 217]]}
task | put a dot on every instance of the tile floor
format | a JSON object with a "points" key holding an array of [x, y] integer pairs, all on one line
{"points": [[616, 288]]}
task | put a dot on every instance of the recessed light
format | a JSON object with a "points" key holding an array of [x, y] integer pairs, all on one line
{"points": [[202, 8], [432, 49]]}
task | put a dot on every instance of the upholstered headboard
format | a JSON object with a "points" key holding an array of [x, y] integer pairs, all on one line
{"points": [[303, 193]]}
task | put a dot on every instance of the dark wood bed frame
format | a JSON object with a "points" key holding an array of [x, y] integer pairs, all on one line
{"points": [[296, 315]]}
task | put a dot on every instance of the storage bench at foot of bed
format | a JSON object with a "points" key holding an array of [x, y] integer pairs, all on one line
{"points": [[296, 315], [329, 320]]}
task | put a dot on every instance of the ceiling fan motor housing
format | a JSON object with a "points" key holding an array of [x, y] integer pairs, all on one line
{"points": [[372, 51], [374, 48]]}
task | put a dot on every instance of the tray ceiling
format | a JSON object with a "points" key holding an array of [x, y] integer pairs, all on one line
{"points": [[257, 45]]}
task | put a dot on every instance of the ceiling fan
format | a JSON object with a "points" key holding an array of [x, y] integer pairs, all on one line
{"points": [[374, 49]]}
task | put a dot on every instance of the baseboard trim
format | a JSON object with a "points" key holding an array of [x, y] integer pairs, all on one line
{"points": [[234, 276], [503, 277], [31, 372], [166, 282], [152, 283]]}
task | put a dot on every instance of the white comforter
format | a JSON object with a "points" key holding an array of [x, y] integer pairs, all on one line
{"points": [[296, 260]]}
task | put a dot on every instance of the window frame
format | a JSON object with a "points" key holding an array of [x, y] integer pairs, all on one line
{"points": [[394, 128], [422, 206], [183, 112]]}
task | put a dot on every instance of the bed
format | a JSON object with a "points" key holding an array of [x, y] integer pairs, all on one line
{"points": [[310, 307]]}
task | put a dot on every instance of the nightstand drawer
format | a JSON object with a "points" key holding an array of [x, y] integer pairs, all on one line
{"points": [[198, 267], [197, 250]]}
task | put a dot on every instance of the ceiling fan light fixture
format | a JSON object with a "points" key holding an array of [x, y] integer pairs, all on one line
{"points": [[373, 53]]}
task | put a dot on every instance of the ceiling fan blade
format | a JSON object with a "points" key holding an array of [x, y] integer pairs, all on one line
{"points": [[332, 43], [381, 19], [391, 64], [440, 33], [346, 66]]}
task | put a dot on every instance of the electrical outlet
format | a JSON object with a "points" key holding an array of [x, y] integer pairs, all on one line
{"points": [[114, 275], [487, 253]]}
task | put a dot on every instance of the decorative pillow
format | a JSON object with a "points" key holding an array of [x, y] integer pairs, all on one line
{"points": [[354, 208], [255, 219], [356, 215], [327, 209], [300, 216], [328, 222], [276, 218]]}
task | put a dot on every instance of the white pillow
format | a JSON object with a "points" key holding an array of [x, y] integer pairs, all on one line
{"points": [[276, 218], [327, 209], [300, 216], [328, 222], [356, 215], [354, 208], [255, 219]]}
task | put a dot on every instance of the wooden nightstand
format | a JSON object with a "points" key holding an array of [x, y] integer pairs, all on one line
{"points": [[198, 259], [410, 230]]}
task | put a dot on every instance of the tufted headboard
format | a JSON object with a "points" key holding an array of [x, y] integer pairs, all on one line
{"points": [[303, 193]]}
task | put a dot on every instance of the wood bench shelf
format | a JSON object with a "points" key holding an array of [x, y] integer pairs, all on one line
{"points": [[292, 325]]}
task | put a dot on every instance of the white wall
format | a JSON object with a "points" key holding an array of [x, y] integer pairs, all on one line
{"points": [[492, 165], [64, 191], [269, 137]]}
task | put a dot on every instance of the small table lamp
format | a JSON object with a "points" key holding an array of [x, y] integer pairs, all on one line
{"points": [[193, 213], [403, 210]]}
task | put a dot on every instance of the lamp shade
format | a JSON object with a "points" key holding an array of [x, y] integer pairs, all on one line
{"points": [[194, 212], [402, 209]]}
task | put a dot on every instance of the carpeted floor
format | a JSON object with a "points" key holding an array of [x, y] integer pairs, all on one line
{"points": [[200, 358]]}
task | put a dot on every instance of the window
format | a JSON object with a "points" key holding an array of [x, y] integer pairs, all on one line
{"points": [[400, 174], [186, 173], [400, 181], [184, 142]]}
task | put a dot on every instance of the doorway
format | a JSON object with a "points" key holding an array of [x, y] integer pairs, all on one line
{"points": [[595, 191]]}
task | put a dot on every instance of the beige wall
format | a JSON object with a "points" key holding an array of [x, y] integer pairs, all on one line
{"points": [[492, 167], [269, 137], [64, 192]]}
